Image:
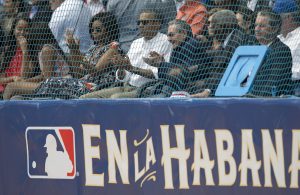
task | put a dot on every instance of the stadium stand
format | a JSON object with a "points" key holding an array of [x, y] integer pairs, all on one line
{"points": [[71, 48]]}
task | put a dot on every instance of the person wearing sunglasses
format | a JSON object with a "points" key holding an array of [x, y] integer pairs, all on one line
{"points": [[133, 70], [127, 12], [92, 69]]}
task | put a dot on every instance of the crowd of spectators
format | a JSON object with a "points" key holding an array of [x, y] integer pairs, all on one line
{"points": [[143, 48]]}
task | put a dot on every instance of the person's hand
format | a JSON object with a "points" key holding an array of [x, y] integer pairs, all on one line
{"points": [[114, 45], [126, 63], [203, 94], [154, 59], [192, 69], [17, 78], [201, 38], [121, 61], [70, 40], [112, 51], [175, 72], [23, 43]]}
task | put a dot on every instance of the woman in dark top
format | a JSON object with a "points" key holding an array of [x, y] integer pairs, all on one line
{"points": [[94, 66], [91, 71], [17, 62]]}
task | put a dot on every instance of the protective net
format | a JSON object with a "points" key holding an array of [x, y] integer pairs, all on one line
{"points": [[70, 49]]}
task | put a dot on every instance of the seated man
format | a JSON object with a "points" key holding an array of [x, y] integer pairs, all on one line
{"points": [[274, 76], [127, 11], [133, 70], [186, 52], [226, 36]]}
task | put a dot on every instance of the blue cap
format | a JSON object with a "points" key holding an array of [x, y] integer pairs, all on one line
{"points": [[285, 6]]}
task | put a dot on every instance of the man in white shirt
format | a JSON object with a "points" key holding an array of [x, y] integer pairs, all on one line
{"points": [[133, 70], [127, 11], [290, 31], [256, 5], [71, 15]]}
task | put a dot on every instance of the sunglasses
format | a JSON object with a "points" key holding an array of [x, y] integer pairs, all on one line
{"points": [[171, 34], [97, 30], [144, 22]]}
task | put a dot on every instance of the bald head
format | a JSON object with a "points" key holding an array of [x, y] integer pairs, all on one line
{"points": [[225, 17], [221, 24]]}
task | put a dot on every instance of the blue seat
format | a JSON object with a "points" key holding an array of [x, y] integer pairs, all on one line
{"points": [[240, 73]]}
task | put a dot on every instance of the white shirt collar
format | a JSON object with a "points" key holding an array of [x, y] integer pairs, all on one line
{"points": [[293, 33], [153, 39], [227, 40]]}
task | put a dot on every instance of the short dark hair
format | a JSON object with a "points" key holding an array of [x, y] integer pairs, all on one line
{"points": [[153, 11], [110, 24], [226, 18], [11, 42], [21, 16]]}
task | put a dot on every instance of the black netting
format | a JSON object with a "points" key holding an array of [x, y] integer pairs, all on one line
{"points": [[145, 48]]}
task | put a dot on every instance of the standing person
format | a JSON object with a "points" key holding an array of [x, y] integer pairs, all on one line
{"points": [[195, 14], [128, 11], [70, 15]]}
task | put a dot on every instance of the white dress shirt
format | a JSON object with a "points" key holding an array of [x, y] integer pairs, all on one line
{"points": [[75, 16], [141, 48], [292, 40], [95, 6]]}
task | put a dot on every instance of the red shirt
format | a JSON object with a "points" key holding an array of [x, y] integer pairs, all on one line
{"points": [[14, 67], [195, 14]]}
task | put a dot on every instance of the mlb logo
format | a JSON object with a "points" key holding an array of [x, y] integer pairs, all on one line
{"points": [[50, 152]]}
